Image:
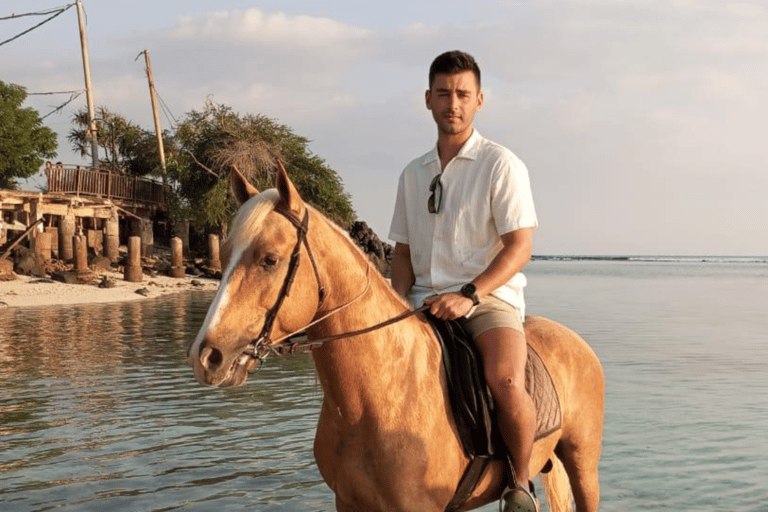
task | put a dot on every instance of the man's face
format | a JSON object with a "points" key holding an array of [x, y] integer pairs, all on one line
{"points": [[454, 100]]}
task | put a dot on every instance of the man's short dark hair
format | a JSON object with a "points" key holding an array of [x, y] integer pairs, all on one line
{"points": [[451, 63]]}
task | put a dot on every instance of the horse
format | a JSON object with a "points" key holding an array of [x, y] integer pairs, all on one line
{"points": [[385, 439]]}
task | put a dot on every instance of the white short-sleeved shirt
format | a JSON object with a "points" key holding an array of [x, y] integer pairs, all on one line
{"points": [[486, 193]]}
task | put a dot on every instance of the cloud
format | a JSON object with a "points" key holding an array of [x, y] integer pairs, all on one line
{"points": [[268, 58], [255, 27]]}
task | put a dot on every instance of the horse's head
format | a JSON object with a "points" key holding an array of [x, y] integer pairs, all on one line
{"points": [[256, 299]]}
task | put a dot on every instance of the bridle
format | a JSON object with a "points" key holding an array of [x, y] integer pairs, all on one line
{"points": [[259, 347], [262, 346]]}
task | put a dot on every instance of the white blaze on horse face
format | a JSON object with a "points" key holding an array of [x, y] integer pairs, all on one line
{"points": [[220, 301]]}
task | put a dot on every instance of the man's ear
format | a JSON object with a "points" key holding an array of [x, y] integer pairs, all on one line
{"points": [[240, 186], [290, 200], [428, 99]]}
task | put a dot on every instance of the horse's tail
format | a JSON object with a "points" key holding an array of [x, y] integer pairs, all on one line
{"points": [[558, 488]]}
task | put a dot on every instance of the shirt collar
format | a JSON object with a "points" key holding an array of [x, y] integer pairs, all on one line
{"points": [[468, 151]]}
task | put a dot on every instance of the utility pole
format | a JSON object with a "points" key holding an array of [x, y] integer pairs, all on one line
{"points": [[91, 133], [156, 115]]}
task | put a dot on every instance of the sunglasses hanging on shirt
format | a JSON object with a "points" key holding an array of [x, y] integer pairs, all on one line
{"points": [[436, 196]]}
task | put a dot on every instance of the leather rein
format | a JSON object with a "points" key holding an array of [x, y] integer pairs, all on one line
{"points": [[262, 346]]}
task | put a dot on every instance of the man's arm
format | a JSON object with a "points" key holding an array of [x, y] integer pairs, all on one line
{"points": [[515, 253], [402, 269]]}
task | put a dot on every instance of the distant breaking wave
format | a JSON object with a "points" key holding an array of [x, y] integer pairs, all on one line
{"points": [[663, 259]]}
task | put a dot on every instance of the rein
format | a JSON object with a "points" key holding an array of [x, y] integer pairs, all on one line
{"points": [[261, 347], [288, 345]]}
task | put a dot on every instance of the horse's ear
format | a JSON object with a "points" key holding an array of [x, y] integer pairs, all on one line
{"points": [[241, 187], [290, 200]]}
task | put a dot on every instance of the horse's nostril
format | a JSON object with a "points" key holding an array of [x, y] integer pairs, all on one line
{"points": [[211, 358]]}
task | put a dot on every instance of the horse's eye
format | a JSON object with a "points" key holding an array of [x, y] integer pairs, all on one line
{"points": [[269, 262]]}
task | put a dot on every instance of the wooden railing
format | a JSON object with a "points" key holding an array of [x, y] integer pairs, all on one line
{"points": [[106, 184]]}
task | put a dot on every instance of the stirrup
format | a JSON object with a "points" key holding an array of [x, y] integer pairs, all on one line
{"points": [[518, 499]]}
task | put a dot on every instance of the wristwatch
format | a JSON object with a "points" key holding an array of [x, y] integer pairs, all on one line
{"points": [[470, 292]]}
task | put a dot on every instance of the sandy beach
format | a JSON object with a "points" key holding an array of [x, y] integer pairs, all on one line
{"points": [[27, 291]]}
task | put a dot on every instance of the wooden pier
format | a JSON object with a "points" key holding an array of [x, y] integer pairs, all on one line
{"points": [[105, 206], [124, 190]]}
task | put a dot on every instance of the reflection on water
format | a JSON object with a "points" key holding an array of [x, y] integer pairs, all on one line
{"points": [[98, 411]]}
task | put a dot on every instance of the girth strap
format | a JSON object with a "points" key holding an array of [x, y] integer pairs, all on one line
{"points": [[468, 482]]}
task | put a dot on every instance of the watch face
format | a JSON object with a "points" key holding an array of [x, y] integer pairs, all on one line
{"points": [[470, 292]]}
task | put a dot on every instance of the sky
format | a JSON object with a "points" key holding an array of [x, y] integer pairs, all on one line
{"points": [[641, 122]]}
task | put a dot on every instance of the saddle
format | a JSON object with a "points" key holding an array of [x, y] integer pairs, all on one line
{"points": [[473, 407]]}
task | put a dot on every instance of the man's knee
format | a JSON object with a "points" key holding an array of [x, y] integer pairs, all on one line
{"points": [[506, 383]]}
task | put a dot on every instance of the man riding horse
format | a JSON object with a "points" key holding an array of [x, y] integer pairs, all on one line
{"points": [[461, 250]]}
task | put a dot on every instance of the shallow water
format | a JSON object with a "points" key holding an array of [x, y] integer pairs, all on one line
{"points": [[684, 346], [98, 411]]}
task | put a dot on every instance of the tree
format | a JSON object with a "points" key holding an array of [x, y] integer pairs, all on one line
{"points": [[215, 139], [126, 146], [24, 141]]}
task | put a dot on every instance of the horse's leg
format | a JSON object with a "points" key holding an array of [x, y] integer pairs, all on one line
{"points": [[581, 467], [580, 382], [579, 450]]}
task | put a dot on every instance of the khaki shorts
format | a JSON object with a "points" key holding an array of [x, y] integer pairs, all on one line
{"points": [[492, 313]]}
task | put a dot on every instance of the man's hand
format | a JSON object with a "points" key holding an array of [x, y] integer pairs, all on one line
{"points": [[449, 306]]}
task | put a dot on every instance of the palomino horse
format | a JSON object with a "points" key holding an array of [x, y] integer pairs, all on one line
{"points": [[385, 439]]}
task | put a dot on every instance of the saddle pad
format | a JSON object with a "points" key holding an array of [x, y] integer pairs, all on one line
{"points": [[539, 384], [471, 401]]}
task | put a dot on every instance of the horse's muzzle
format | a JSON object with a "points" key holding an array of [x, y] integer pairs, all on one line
{"points": [[213, 368]]}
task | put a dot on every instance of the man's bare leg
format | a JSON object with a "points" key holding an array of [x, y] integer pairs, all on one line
{"points": [[504, 352]]}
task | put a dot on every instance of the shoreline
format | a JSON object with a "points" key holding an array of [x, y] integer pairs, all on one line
{"points": [[29, 291]]}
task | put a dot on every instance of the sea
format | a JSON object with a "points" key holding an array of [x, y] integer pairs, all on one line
{"points": [[98, 411]]}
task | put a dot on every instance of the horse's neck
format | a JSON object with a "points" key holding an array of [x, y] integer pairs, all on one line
{"points": [[354, 287], [370, 371]]}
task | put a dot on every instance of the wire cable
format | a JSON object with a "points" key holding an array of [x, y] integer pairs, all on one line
{"points": [[49, 93], [72, 98], [56, 12], [167, 111]]}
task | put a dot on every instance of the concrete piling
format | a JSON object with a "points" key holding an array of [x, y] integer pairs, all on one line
{"points": [[214, 263], [43, 247], [66, 234], [80, 249], [177, 258], [181, 230], [132, 270], [112, 239]]}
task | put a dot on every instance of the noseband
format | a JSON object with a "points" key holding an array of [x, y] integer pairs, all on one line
{"points": [[259, 348]]}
